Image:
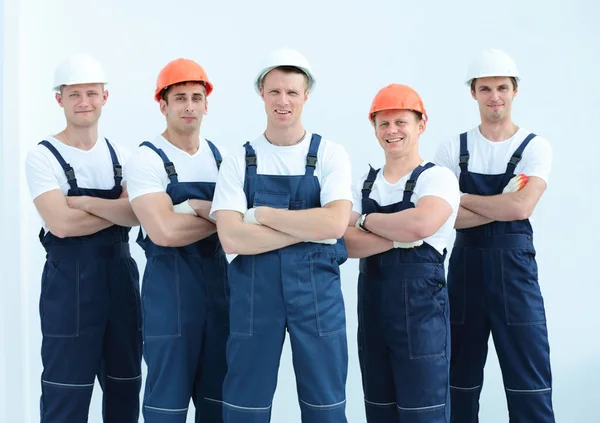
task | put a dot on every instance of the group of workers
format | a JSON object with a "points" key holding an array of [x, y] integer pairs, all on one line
{"points": [[284, 206]]}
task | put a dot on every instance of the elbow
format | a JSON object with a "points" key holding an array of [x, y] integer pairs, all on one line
{"points": [[59, 230], [521, 212], [424, 231], [228, 243], [335, 230], [161, 237], [228, 246]]}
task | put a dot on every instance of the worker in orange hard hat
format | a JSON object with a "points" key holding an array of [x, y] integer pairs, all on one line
{"points": [[402, 216], [185, 289]]}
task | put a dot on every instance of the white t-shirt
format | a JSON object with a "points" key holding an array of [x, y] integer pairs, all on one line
{"points": [[333, 171], [93, 168], [436, 181], [491, 158], [146, 172]]}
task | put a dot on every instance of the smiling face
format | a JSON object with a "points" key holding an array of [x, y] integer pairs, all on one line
{"points": [[284, 93], [398, 132], [82, 103], [184, 105], [494, 96]]}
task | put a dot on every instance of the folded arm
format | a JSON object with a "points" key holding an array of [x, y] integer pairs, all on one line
{"points": [[167, 228], [64, 221], [468, 219], [364, 244], [409, 225], [117, 211], [327, 222], [238, 237], [507, 207]]}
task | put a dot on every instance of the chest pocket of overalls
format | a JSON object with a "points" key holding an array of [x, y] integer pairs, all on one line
{"points": [[271, 199]]}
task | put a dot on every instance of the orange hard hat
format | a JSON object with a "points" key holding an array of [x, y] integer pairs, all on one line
{"points": [[181, 70], [397, 96]]}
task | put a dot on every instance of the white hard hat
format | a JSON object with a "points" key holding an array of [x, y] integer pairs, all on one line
{"points": [[78, 69], [285, 57], [492, 62]]}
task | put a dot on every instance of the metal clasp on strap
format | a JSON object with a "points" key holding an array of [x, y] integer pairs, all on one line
{"points": [[464, 159], [514, 160], [70, 173], [251, 160], [118, 169], [311, 161], [170, 168], [368, 185], [410, 186]]}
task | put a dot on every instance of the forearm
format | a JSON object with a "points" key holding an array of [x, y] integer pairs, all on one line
{"points": [[362, 244], [247, 239], [468, 219], [77, 223], [502, 207], [117, 211], [312, 224], [405, 226], [178, 230]]}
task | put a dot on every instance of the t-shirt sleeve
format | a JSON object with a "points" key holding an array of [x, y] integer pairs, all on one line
{"points": [[123, 154], [144, 174], [40, 174], [336, 175], [537, 159], [357, 194], [445, 158], [229, 191], [439, 182]]}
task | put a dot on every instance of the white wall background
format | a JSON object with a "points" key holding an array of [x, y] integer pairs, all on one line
{"points": [[355, 49]]}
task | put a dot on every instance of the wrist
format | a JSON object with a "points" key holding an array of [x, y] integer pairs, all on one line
{"points": [[361, 223]]}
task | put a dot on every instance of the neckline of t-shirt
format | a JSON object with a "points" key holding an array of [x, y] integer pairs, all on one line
{"points": [[493, 143], [79, 150], [179, 150], [401, 180], [286, 148]]}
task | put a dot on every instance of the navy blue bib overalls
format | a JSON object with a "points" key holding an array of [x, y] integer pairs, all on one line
{"points": [[90, 316], [295, 288], [403, 326], [186, 317], [493, 286]]}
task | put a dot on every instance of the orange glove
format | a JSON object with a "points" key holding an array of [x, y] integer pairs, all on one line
{"points": [[516, 184]]}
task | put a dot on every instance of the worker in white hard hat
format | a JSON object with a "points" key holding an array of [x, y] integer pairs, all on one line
{"points": [[282, 204], [90, 300], [493, 285]]}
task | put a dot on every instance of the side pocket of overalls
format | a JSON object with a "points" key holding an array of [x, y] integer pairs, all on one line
{"points": [[161, 298], [426, 317], [59, 299], [457, 285]]}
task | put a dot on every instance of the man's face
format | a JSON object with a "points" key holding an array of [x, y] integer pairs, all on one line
{"points": [[494, 96], [284, 94], [185, 106], [398, 132], [82, 103]]}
